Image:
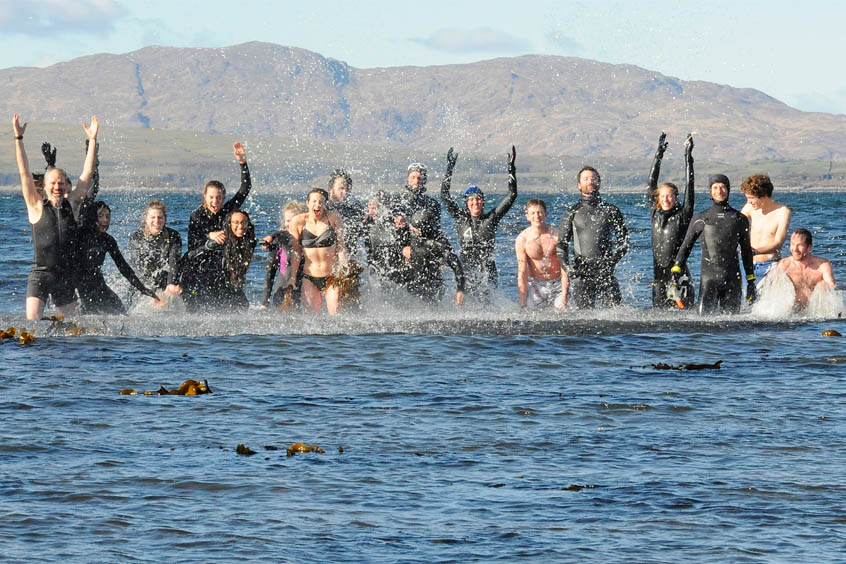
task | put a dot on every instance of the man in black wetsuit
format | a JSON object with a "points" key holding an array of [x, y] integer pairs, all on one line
{"points": [[600, 239], [207, 221], [725, 229], [670, 220], [352, 212], [477, 228]]}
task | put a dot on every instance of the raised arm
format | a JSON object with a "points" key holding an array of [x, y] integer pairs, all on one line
{"points": [[655, 171], [94, 188], [508, 201], [238, 199], [30, 194], [453, 208], [85, 179], [689, 197]]}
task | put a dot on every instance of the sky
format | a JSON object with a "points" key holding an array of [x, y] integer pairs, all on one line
{"points": [[787, 52]]}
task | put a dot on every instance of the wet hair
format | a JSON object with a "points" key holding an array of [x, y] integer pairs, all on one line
{"points": [[671, 185], [341, 173], [89, 220], [536, 202], [216, 184], [590, 168], [805, 234], [153, 205], [757, 186], [421, 168], [294, 206], [238, 252], [320, 191]]}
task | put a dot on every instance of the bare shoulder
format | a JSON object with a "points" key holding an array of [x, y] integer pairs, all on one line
{"points": [[746, 210]]}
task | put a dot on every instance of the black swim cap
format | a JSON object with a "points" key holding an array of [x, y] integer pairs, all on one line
{"points": [[714, 178]]}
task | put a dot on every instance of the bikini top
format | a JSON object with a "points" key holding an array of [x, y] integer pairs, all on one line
{"points": [[326, 239]]}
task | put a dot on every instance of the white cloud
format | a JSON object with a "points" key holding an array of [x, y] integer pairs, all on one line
{"points": [[482, 39], [66, 17]]}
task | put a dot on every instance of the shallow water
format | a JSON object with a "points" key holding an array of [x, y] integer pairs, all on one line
{"points": [[466, 435]]}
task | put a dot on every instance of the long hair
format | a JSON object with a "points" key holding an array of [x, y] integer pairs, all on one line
{"points": [[89, 218], [238, 252]]}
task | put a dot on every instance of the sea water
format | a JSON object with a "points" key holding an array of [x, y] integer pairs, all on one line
{"points": [[472, 434]]}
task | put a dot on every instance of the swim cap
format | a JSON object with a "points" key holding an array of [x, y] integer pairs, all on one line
{"points": [[714, 178], [421, 168], [473, 191]]}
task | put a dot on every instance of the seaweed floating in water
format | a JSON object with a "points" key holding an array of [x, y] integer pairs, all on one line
{"points": [[244, 450], [9, 333], [303, 448], [188, 388], [831, 333], [686, 366], [23, 336]]}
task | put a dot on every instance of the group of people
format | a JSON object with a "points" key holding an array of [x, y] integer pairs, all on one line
{"points": [[311, 259]]}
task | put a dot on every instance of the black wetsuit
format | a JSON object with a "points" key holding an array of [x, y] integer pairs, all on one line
{"points": [[592, 225], [280, 249], [205, 284], [477, 236], [419, 210], [668, 231], [384, 243], [54, 237], [154, 257], [354, 214], [725, 229], [425, 274], [203, 221], [94, 295]]}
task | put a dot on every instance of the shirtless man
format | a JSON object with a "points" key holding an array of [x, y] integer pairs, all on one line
{"points": [[806, 271], [768, 221], [538, 270]]}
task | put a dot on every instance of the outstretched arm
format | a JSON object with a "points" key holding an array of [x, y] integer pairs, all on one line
{"points": [[656, 166], [506, 203], [85, 178], [453, 208], [30, 194], [238, 199], [689, 191]]}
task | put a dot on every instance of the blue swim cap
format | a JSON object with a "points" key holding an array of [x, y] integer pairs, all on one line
{"points": [[473, 191]]}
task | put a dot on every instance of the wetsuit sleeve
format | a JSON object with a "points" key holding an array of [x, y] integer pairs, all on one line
{"points": [[452, 261], [508, 201], [693, 233], [196, 237], [125, 269], [689, 192], [655, 171], [746, 252], [173, 258], [241, 195], [133, 249], [622, 234], [565, 235], [271, 267], [446, 197]]}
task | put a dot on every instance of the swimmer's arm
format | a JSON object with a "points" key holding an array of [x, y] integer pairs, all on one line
{"points": [[565, 234], [655, 171], [622, 235], [693, 232], [84, 182], [565, 287], [271, 267], [174, 251], [30, 194], [452, 261], [689, 191], [449, 202], [522, 270], [746, 252], [508, 201], [828, 274], [246, 183], [779, 237]]}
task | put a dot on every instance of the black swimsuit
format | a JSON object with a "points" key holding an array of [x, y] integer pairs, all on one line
{"points": [[326, 239]]}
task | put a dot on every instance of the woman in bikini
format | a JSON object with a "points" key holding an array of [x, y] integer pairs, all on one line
{"points": [[319, 233]]}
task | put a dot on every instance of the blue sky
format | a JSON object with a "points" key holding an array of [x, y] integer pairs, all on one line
{"points": [[790, 53]]}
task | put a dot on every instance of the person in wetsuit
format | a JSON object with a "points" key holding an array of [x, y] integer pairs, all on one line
{"points": [[53, 217], [213, 276], [352, 212], [413, 207], [95, 296], [384, 242], [208, 220], [425, 278], [283, 258], [154, 250], [477, 228], [724, 229], [600, 239], [670, 220]]}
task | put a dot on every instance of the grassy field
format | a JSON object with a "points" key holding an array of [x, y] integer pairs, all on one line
{"points": [[136, 158]]}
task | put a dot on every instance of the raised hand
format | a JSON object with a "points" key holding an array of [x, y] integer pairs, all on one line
{"points": [[16, 125], [92, 130], [688, 144], [240, 152], [662, 144], [512, 168], [452, 157], [49, 153]]}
